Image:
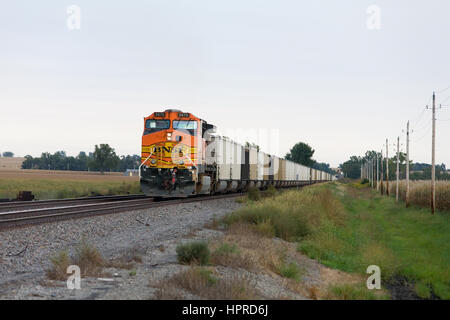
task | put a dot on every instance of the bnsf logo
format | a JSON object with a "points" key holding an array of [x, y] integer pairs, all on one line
{"points": [[167, 150], [170, 149]]}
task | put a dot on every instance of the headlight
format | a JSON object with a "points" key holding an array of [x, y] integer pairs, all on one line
{"points": [[181, 162], [153, 161]]}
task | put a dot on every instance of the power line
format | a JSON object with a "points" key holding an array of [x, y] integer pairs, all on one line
{"points": [[428, 130], [443, 90]]}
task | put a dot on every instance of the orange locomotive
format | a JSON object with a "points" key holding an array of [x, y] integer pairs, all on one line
{"points": [[173, 155]]}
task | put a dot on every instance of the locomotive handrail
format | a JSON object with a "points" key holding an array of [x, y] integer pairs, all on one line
{"points": [[143, 164]]}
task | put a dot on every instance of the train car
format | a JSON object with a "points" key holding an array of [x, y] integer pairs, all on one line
{"points": [[182, 156], [253, 157]]}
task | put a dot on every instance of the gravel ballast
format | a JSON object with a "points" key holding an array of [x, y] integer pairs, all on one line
{"points": [[25, 252]]}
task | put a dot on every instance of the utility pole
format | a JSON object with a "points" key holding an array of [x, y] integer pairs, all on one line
{"points": [[407, 165], [387, 168], [382, 173], [433, 169], [378, 182], [371, 170], [398, 172]]}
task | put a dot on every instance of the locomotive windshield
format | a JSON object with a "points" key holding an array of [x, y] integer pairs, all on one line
{"points": [[185, 124], [188, 125], [157, 124], [153, 125]]}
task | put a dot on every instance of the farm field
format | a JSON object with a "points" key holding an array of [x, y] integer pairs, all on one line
{"points": [[49, 184], [420, 193], [14, 163]]}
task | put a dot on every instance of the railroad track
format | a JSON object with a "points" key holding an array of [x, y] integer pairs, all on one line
{"points": [[38, 215], [22, 205]]}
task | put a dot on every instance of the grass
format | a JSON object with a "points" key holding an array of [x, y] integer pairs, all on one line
{"points": [[132, 273], [202, 283], [352, 292], [86, 257], [50, 184], [349, 227], [402, 241], [230, 255], [290, 270], [254, 194], [90, 261], [60, 261], [291, 215], [194, 252]]}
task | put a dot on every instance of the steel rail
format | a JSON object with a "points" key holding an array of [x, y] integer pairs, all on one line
{"points": [[7, 206], [29, 217]]}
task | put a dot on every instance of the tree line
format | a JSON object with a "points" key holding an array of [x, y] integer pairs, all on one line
{"points": [[418, 171], [103, 159], [7, 154], [302, 153]]}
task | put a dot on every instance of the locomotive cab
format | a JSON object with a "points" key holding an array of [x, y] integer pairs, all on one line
{"points": [[172, 157]]}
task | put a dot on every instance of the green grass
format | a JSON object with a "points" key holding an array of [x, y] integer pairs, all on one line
{"points": [[350, 227], [408, 242], [353, 292], [291, 215], [59, 188], [194, 252], [226, 248], [290, 270]]}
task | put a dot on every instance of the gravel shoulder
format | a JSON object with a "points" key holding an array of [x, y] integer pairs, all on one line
{"points": [[25, 252], [153, 234]]}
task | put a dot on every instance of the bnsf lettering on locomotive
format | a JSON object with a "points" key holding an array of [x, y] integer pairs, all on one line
{"points": [[167, 149]]}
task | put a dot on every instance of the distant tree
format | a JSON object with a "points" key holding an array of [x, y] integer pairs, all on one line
{"points": [[8, 154], [352, 168], [322, 166], [105, 158], [28, 162], [129, 162], [301, 153]]}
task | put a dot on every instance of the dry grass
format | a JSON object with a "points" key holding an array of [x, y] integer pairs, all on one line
{"points": [[60, 262], [259, 252], [230, 255], [420, 193], [90, 261], [87, 258], [203, 283]]}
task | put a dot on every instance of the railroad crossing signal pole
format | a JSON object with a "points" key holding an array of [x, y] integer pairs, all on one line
{"points": [[398, 172], [387, 168], [433, 169], [407, 164]]}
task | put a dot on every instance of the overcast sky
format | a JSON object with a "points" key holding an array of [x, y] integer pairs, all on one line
{"points": [[309, 71]]}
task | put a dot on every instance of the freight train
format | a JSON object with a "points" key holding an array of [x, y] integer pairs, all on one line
{"points": [[182, 156]]}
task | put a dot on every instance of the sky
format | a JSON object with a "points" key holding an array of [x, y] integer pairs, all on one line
{"points": [[334, 74]]}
